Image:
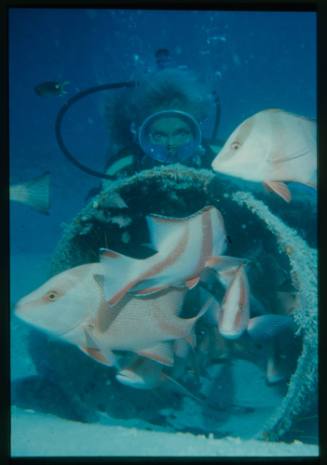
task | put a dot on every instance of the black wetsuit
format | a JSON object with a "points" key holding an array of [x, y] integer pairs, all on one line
{"points": [[131, 160]]}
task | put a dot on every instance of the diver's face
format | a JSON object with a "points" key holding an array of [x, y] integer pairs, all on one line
{"points": [[170, 132]]}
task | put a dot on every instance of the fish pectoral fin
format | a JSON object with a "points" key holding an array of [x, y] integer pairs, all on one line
{"points": [[161, 353], [280, 188], [160, 227], [95, 351], [95, 354]]}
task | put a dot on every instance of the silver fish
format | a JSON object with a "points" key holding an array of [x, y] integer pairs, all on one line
{"points": [[185, 247], [35, 193]]}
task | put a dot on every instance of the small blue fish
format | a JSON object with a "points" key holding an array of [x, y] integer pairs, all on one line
{"points": [[51, 88], [266, 327]]}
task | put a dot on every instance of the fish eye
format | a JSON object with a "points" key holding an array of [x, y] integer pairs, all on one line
{"points": [[235, 145], [51, 296]]}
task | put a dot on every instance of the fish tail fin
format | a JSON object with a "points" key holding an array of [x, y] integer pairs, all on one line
{"points": [[225, 267], [161, 227], [118, 274], [35, 193]]}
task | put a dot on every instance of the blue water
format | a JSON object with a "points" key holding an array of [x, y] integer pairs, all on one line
{"points": [[253, 60], [266, 60]]}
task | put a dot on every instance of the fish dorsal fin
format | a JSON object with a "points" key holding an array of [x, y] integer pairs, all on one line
{"points": [[161, 353], [280, 189], [160, 227]]}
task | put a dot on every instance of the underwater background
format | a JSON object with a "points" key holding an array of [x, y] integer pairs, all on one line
{"points": [[253, 60]]}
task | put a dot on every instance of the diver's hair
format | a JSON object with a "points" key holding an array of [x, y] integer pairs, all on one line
{"points": [[166, 89]]}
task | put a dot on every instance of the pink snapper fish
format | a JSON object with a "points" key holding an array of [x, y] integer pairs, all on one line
{"points": [[146, 325], [71, 306], [232, 315], [63, 303], [34, 193], [186, 246], [272, 146]]}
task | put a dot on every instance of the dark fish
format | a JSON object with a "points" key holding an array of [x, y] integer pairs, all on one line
{"points": [[51, 88], [266, 327]]}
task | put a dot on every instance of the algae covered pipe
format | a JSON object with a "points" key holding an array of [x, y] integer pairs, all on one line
{"points": [[303, 262], [173, 187]]}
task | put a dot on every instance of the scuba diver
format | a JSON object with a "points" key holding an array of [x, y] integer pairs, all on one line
{"points": [[159, 122], [155, 121]]}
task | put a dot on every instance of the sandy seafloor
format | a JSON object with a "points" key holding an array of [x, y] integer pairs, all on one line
{"points": [[41, 434]]}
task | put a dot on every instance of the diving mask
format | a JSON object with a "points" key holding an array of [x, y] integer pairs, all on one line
{"points": [[170, 136]]}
